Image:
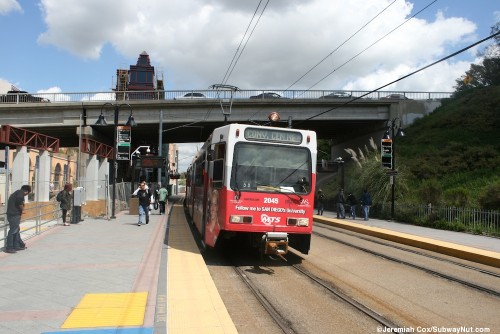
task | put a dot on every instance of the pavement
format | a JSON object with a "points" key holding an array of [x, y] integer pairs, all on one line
{"points": [[95, 274]]}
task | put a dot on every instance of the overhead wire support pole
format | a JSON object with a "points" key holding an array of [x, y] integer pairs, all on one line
{"points": [[224, 101], [101, 121]]}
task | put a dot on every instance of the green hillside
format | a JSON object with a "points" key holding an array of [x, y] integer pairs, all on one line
{"points": [[450, 157], [457, 147]]}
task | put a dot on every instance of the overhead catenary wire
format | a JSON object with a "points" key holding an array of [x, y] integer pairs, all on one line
{"points": [[407, 75], [368, 47], [352, 58], [238, 53], [341, 44]]}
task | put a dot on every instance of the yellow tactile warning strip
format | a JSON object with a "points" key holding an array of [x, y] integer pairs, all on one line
{"points": [[193, 302], [108, 310], [462, 252]]}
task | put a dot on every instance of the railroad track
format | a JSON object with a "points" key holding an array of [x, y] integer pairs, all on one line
{"points": [[286, 325], [414, 265]]}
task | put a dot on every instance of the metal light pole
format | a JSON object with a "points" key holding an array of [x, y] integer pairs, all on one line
{"points": [[393, 172], [101, 121], [340, 165]]}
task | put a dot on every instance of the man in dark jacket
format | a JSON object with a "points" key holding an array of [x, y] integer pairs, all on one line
{"points": [[366, 202], [340, 204], [144, 195], [15, 207]]}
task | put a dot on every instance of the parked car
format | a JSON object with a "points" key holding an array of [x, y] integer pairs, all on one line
{"points": [[190, 96], [337, 95], [14, 96], [267, 95], [395, 97]]}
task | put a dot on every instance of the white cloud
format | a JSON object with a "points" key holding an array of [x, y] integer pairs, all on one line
{"points": [[7, 6], [195, 40], [4, 86]]}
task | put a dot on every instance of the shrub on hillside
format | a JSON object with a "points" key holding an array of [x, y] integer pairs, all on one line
{"points": [[430, 192], [490, 200], [457, 197]]}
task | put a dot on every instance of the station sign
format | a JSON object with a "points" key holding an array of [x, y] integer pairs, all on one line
{"points": [[152, 162], [386, 153], [123, 141]]}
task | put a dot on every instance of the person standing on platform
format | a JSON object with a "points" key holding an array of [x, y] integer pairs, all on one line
{"points": [[351, 199], [340, 204], [64, 197], [320, 202], [162, 198], [15, 207], [366, 202], [144, 195]]}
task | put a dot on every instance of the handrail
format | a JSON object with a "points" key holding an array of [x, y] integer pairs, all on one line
{"points": [[79, 97]]}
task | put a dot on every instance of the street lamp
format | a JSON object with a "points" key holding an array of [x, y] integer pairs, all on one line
{"points": [[340, 165], [136, 154], [389, 151], [101, 121]]}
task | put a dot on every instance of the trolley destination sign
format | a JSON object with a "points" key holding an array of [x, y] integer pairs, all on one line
{"points": [[271, 135]]}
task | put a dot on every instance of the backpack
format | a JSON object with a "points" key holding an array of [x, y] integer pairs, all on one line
{"points": [[59, 196]]}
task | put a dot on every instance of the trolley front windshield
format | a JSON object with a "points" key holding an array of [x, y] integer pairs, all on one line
{"points": [[258, 167]]}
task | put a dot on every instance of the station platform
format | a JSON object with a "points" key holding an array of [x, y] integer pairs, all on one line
{"points": [[476, 248], [113, 277]]}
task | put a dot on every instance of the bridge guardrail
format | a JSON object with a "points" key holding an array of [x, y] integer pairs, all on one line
{"points": [[208, 94]]}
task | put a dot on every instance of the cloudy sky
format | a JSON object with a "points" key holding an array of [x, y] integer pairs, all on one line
{"points": [[77, 45]]}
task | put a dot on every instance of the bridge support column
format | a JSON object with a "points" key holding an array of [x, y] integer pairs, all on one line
{"points": [[20, 168], [91, 177], [103, 177], [43, 184]]}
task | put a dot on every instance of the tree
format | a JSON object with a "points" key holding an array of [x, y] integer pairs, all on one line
{"points": [[488, 72]]}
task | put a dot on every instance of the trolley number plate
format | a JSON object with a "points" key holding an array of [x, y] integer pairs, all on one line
{"points": [[270, 200]]}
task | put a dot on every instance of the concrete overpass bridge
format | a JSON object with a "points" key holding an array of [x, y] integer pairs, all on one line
{"points": [[34, 122], [192, 120]]}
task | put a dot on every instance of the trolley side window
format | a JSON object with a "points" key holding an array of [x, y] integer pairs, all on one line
{"points": [[269, 168], [217, 165]]}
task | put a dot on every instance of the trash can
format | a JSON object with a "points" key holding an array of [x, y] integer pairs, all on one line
{"points": [[133, 206], [78, 201]]}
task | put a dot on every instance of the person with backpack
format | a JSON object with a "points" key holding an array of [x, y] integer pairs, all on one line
{"points": [[64, 197]]}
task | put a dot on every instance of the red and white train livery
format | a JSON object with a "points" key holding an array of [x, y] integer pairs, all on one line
{"points": [[255, 183]]}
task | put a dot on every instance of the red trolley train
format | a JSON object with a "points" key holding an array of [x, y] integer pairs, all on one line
{"points": [[255, 183]]}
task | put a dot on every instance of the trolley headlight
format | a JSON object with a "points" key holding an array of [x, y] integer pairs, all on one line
{"points": [[237, 219], [297, 221]]}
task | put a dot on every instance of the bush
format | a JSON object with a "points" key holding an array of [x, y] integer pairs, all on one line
{"points": [[490, 200], [458, 197], [430, 192]]}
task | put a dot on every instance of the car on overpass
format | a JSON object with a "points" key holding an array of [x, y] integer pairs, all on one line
{"points": [[14, 96], [337, 95], [395, 97], [267, 95], [191, 96]]}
